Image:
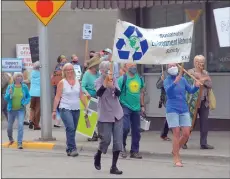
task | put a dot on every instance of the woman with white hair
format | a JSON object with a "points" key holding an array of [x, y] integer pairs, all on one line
{"points": [[35, 109], [69, 95], [17, 96], [110, 115]]}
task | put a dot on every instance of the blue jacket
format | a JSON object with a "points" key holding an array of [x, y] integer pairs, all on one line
{"points": [[25, 99], [176, 94], [35, 84]]}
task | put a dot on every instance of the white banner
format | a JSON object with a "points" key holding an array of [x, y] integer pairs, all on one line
{"points": [[222, 20], [152, 46], [23, 52]]}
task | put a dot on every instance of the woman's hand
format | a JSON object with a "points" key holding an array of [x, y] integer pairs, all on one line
{"points": [[88, 96], [10, 91], [197, 84], [53, 115], [178, 78], [110, 84]]}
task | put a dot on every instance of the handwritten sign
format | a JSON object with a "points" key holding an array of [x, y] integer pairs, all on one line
{"points": [[23, 52], [222, 20], [11, 65]]}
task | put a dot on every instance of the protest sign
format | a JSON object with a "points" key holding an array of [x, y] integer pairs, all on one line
{"points": [[152, 46], [11, 65], [222, 20], [82, 129], [23, 52], [56, 77]]}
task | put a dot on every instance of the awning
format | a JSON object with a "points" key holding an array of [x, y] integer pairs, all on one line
{"points": [[124, 4]]}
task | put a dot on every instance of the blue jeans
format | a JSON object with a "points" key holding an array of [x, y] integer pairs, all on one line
{"points": [[12, 115], [70, 120], [131, 119]]}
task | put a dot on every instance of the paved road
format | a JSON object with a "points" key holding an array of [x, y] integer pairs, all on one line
{"points": [[55, 164]]}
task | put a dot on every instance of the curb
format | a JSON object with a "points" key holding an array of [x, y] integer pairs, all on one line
{"points": [[30, 145], [147, 154]]}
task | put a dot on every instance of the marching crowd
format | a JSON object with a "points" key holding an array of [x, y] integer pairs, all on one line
{"points": [[120, 91]]}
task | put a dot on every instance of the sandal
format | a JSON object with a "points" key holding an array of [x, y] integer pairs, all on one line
{"points": [[166, 138]]}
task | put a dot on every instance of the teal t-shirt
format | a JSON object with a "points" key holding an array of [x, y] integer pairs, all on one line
{"points": [[88, 83], [131, 99]]}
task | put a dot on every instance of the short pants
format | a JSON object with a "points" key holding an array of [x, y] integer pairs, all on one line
{"points": [[178, 120]]}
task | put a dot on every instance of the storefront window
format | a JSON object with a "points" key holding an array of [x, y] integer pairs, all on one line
{"points": [[218, 57]]}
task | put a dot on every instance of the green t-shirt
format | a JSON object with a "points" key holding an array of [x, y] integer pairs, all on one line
{"points": [[16, 98], [88, 83], [131, 99]]}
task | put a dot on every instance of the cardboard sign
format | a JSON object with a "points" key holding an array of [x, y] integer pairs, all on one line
{"points": [[23, 52], [56, 78]]}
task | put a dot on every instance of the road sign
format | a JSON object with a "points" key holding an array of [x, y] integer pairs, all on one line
{"points": [[87, 31], [45, 10]]}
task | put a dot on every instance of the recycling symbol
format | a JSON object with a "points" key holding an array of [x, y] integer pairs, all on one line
{"points": [[134, 44]]}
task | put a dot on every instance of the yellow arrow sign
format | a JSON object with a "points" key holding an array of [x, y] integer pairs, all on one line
{"points": [[45, 10]]}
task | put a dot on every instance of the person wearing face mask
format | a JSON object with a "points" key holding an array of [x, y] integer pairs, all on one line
{"points": [[88, 83], [177, 112], [109, 117], [132, 102], [108, 57], [77, 66], [203, 107], [17, 97], [35, 108]]}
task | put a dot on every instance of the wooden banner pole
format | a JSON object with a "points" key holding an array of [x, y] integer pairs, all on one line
{"points": [[86, 50]]}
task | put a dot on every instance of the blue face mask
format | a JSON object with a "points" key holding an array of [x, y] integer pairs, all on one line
{"points": [[133, 70], [105, 57]]}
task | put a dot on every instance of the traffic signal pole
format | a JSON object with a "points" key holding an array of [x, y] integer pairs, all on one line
{"points": [[46, 118]]}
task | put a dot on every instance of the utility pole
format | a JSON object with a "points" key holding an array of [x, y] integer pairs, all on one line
{"points": [[46, 118]]}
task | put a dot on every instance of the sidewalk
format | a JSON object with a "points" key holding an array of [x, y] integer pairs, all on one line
{"points": [[151, 145]]}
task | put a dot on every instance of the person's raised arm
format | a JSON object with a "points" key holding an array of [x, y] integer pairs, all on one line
{"points": [[189, 88]]}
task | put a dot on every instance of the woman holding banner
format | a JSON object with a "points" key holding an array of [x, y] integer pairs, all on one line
{"points": [[110, 115], [69, 95], [177, 112]]}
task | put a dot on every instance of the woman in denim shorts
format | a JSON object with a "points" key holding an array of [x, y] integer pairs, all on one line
{"points": [[177, 112]]}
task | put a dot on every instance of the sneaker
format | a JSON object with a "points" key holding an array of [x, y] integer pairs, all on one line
{"points": [[26, 123], [73, 153], [57, 126], [31, 125], [37, 128], [114, 170], [20, 146], [206, 147], [11, 142], [135, 155]]}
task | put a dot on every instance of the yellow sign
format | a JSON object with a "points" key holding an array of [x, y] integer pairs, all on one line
{"points": [[45, 10], [81, 128]]}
